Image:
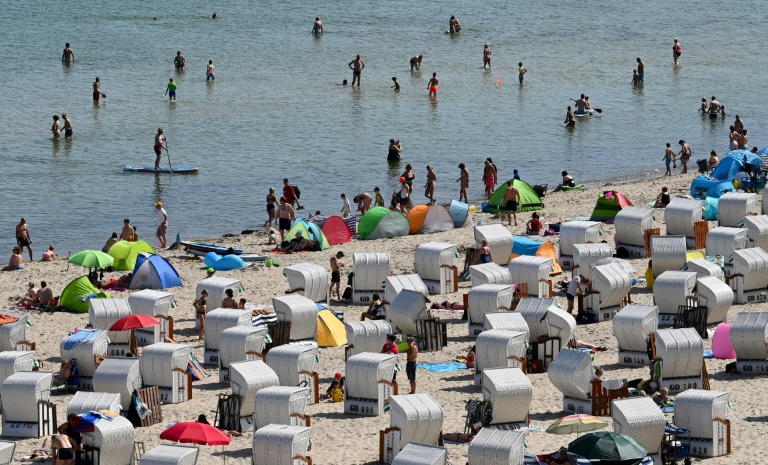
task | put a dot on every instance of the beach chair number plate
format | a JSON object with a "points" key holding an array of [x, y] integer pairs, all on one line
{"points": [[753, 368], [683, 386], [355, 407], [761, 297], [507, 427], [574, 408]]}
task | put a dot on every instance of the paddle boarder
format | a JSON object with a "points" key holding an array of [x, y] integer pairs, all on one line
{"points": [[162, 228], [179, 62], [357, 67], [170, 90], [581, 105], [160, 139], [487, 57], [67, 56], [317, 28], [97, 90]]}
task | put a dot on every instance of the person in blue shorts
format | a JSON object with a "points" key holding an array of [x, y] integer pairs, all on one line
{"points": [[170, 90]]}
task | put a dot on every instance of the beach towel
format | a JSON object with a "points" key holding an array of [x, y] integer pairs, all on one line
{"points": [[708, 354], [194, 367], [442, 367], [4, 319], [84, 335], [263, 319]]}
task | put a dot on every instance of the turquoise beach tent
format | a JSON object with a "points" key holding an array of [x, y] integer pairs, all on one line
{"points": [[460, 213], [310, 230]]}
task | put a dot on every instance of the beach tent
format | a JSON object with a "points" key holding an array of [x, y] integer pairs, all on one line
{"points": [[529, 199], [460, 213], [429, 219], [153, 272], [708, 186], [379, 223], [75, 296], [308, 230], [336, 230], [125, 253], [732, 163], [524, 246], [609, 203], [331, 332]]}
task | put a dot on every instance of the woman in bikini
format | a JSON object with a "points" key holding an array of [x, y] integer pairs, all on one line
{"points": [[201, 307], [229, 301], [271, 205], [429, 191]]}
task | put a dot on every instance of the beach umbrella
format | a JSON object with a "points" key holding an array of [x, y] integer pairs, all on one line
{"points": [[578, 423], [193, 432], [608, 448], [624, 264], [131, 322], [125, 253], [91, 259]]}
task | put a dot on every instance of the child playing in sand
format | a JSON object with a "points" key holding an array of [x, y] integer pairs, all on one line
{"points": [[338, 382], [337, 394], [272, 237]]}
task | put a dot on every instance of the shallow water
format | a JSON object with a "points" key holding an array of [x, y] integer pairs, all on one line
{"points": [[277, 108]]}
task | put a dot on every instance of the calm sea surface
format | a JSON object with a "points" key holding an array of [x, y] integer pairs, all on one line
{"points": [[277, 108]]}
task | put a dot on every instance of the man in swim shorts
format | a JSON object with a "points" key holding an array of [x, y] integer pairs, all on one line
{"points": [[641, 69], [487, 56], [209, 72], [23, 239], [357, 67], [159, 147], [62, 450], [179, 62], [432, 85], [317, 28], [127, 233], [416, 62], [521, 72], [489, 178], [67, 56], [170, 90], [285, 216], [511, 202], [67, 126], [336, 274], [96, 90]]}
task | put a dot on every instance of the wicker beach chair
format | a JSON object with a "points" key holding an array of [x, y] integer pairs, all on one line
{"points": [[294, 364], [103, 313], [13, 336], [705, 414], [27, 411], [413, 418], [366, 336], [85, 353], [633, 326], [487, 298], [749, 336], [749, 273], [12, 362], [407, 308], [584, 255], [509, 321], [641, 419], [368, 379], [281, 445], [240, 343], [723, 241], [668, 253], [120, 376], [157, 304], [216, 321], [433, 262], [301, 312], [681, 353], [757, 231], [7, 448], [497, 447], [577, 232], [421, 454], [681, 215], [165, 365], [84, 402], [499, 348], [246, 380], [703, 267], [672, 289], [216, 287], [166, 454], [733, 207], [395, 284], [111, 442], [510, 393], [716, 296], [572, 374], [308, 280], [611, 284], [499, 239], [631, 224], [489, 273], [534, 272], [370, 272], [546, 320], [281, 405]]}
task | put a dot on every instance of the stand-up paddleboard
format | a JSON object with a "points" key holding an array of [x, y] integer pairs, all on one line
{"points": [[205, 248], [130, 169], [586, 113]]}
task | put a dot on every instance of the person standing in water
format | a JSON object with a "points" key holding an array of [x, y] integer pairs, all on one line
{"points": [[179, 62], [23, 238], [487, 57], [454, 25], [170, 90], [570, 119], [271, 205], [429, 189], [56, 128], [432, 85], [489, 178], [357, 67], [67, 56], [396, 86], [669, 155], [209, 71], [416, 62], [677, 50], [67, 126], [685, 155], [97, 90], [521, 72], [317, 28], [641, 69], [160, 139], [464, 180]]}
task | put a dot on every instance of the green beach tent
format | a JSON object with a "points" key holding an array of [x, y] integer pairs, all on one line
{"points": [[309, 230], [75, 296], [125, 253], [529, 199], [380, 222], [609, 204]]}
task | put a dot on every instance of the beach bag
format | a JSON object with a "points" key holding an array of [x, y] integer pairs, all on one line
{"points": [[347, 295], [541, 189], [554, 227], [297, 191]]}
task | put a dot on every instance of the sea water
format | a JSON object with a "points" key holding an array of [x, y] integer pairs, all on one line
{"points": [[277, 108]]}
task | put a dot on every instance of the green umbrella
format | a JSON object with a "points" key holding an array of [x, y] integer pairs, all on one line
{"points": [[608, 448], [92, 259]]}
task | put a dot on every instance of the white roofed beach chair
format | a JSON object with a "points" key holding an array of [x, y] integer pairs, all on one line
{"points": [[716, 296], [584, 255], [499, 348], [27, 410], [670, 290], [217, 321], [703, 267], [217, 287], [632, 327], [705, 414], [165, 365], [421, 454], [510, 321], [681, 353], [157, 304], [749, 275], [240, 343], [641, 419], [668, 253], [577, 232], [497, 447], [487, 298], [572, 373], [395, 284], [757, 231], [734, 206], [368, 383], [103, 313], [489, 273], [166, 454], [281, 445], [12, 362], [281, 405], [630, 224], [724, 240], [301, 312], [295, 365], [546, 320], [749, 337], [246, 380], [84, 352], [366, 336], [611, 286], [433, 262], [119, 376], [407, 308], [309, 280], [499, 239], [681, 216], [413, 418], [112, 441], [510, 393], [370, 270], [532, 272], [13, 336], [84, 402]]}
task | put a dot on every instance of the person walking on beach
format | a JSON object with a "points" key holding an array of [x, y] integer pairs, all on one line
{"points": [[511, 202], [56, 128], [336, 274], [285, 216], [317, 28], [179, 62], [67, 56], [346, 208], [521, 72], [209, 71], [429, 188], [67, 126], [641, 69], [411, 355], [170, 90], [669, 157], [404, 196], [127, 233], [160, 140], [677, 50], [162, 228], [685, 155], [416, 62], [464, 180], [487, 57], [291, 195], [357, 67], [432, 85], [23, 239], [271, 201], [97, 90]]}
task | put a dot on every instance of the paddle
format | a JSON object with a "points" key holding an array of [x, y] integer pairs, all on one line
{"points": [[599, 110], [168, 153]]}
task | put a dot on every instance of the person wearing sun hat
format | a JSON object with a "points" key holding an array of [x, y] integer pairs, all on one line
{"points": [[162, 229]]}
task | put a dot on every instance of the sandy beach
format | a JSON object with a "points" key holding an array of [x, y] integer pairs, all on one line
{"points": [[342, 439]]}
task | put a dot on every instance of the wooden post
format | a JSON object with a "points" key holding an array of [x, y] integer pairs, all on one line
{"points": [[382, 437], [647, 234], [700, 230]]}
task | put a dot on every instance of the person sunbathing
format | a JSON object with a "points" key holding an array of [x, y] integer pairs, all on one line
{"points": [[446, 305], [470, 359], [30, 299], [458, 437], [297, 244], [376, 310], [560, 457], [41, 454], [16, 262], [60, 378], [533, 226]]}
